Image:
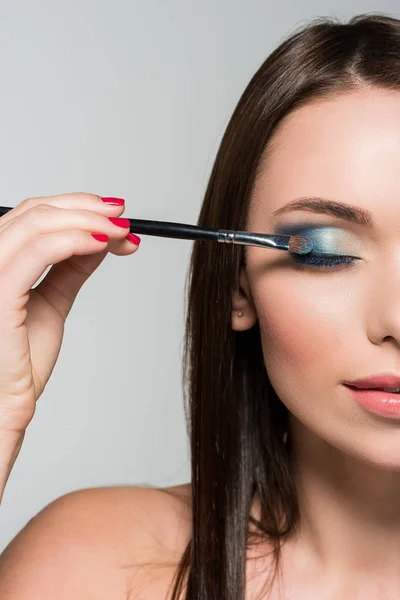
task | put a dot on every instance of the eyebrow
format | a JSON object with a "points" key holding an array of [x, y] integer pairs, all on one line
{"points": [[353, 214]]}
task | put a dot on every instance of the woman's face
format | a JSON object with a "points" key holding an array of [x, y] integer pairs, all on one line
{"points": [[323, 326]]}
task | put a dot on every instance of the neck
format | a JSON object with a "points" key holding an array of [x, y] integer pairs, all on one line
{"points": [[350, 512]]}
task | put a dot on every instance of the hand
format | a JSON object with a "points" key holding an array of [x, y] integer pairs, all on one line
{"points": [[40, 232]]}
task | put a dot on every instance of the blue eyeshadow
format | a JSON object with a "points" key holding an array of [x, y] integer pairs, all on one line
{"points": [[327, 240]]}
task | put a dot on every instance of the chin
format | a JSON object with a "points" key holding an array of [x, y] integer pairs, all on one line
{"points": [[379, 450]]}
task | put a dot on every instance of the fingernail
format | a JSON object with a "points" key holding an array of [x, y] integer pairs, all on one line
{"points": [[114, 201], [120, 222], [101, 237], [134, 239]]}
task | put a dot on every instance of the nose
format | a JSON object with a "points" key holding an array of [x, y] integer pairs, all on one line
{"points": [[383, 318]]}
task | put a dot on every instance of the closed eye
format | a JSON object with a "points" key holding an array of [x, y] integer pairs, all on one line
{"points": [[324, 261]]}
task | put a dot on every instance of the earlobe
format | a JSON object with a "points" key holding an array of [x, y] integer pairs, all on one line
{"points": [[243, 320], [244, 314]]}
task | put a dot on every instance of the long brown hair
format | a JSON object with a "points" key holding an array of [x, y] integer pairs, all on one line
{"points": [[235, 419]]}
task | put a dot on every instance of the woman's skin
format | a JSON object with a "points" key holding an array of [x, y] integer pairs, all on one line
{"points": [[321, 327]]}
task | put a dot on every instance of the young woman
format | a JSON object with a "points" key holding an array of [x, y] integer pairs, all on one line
{"points": [[295, 469]]}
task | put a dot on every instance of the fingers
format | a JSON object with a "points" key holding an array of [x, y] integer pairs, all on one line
{"points": [[36, 234], [72, 201], [76, 200], [42, 219], [29, 260]]}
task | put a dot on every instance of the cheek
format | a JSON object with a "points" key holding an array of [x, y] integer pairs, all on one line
{"points": [[313, 337], [290, 337], [306, 324]]}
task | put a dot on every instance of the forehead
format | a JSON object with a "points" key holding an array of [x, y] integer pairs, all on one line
{"points": [[345, 147]]}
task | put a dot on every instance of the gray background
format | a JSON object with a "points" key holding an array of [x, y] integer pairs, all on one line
{"points": [[124, 98]]}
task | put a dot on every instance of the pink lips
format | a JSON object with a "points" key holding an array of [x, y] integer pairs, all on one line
{"points": [[383, 380], [367, 393], [386, 404]]}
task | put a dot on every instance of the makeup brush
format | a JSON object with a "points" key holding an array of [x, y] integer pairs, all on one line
{"points": [[293, 243]]}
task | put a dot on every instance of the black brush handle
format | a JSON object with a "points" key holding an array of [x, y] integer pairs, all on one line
{"points": [[160, 228], [184, 231], [168, 229]]}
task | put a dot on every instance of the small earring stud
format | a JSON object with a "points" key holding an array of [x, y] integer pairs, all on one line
{"points": [[240, 314]]}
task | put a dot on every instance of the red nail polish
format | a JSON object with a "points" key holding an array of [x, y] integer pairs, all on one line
{"points": [[120, 222], [134, 239], [101, 237], [114, 201]]}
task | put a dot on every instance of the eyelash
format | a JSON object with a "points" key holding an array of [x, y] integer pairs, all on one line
{"points": [[320, 261]]}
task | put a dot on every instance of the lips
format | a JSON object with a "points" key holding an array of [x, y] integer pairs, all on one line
{"points": [[376, 382], [376, 389], [385, 404]]}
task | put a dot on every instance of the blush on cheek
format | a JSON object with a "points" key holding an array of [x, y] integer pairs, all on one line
{"points": [[288, 334], [298, 339]]}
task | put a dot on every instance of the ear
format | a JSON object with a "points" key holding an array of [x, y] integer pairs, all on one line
{"points": [[242, 304]]}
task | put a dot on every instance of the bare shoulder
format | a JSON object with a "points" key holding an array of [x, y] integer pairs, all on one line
{"points": [[163, 519], [95, 542]]}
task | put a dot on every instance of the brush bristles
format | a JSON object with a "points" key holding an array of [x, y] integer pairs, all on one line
{"points": [[299, 245]]}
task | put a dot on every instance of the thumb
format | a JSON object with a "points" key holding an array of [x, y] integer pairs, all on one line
{"points": [[61, 285]]}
